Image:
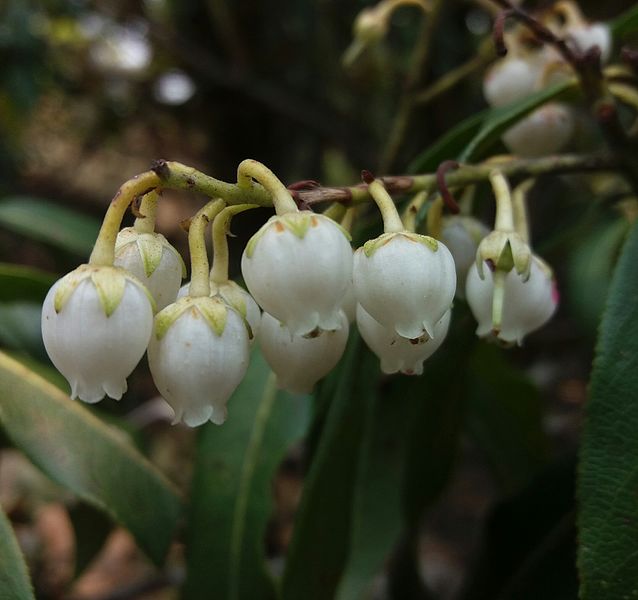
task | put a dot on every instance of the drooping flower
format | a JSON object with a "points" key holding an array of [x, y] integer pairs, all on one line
{"points": [[298, 267], [526, 304], [198, 355], [96, 323], [396, 353], [405, 281], [299, 362], [152, 259]]}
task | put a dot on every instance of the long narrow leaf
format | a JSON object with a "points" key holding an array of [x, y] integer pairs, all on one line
{"points": [[14, 578], [86, 456]]}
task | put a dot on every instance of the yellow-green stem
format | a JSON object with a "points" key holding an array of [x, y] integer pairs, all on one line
{"points": [[391, 220], [219, 272], [148, 210], [435, 220], [335, 211], [251, 169], [412, 210], [498, 299], [200, 284], [348, 219], [519, 202], [104, 250], [504, 215]]}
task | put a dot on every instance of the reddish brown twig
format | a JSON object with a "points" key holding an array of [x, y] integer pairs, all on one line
{"points": [[447, 196]]}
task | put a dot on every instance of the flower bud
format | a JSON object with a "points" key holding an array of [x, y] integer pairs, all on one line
{"points": [[405, 281], [398, 353], [299, 362], [198, 355], [545, 131], [527, 304], [151, 258], [96, 323], [462, 236], [298, 267], [509, 80]]}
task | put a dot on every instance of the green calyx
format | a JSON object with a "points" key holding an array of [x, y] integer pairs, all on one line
{"points": [[371, 246], [298, 223], [109, 282], [212, 310], [231, 294], [505, 250], [150, 246]]}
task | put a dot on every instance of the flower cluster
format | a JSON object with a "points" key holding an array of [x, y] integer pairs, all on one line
{"points": [[300, 269], [530, 67]]}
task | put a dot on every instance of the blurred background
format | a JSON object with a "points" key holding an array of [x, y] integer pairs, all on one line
{"points": [[92, 92]]}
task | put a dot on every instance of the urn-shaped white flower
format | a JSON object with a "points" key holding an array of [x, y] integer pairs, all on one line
{"points": [[462, 235], [298, 267], [509, 80], [299, 362], [96, 323], [526, 305], [152, 259], [396, 353], [586, 36], [236, 297], [405, 281], [198, 355], [545, 131]]}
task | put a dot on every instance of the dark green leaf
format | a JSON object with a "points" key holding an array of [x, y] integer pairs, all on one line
{"points": [[318, 551], [608, 471], [91, 459], [450, 145], [591, 265], [20, 328], [500, 119], [47, 222], [232, 488], [18, 282], [14, 578], [504, 415], [625, 24], [91, 528]]}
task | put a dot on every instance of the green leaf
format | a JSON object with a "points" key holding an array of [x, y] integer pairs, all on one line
{"points": [[18, 282], [232, 488], [608, 470], [91, 528], [318, 550], [450, 145], [14, 578], [502, 118], [44, 221], [590, 269], [625, 24], [91, 459], [504, 416], [20, 328]]}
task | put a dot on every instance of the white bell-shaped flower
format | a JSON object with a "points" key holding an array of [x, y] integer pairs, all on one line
{"points": [[96, 323], [547, 130], [299, 362], [298, 267], [586, 36], [527, 305], [396, 353], [236, 297], [349, 304], [510, 80], [405, 281], [152, 259], [462, 235], [198, 355]]}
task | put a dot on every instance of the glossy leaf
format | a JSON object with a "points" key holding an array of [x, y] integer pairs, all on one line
{"points": [[20, 328], [504, 416], [500, 119], [14, 578], [318, 550], [18, 282], [608, 472], [232, 488], [47, 222], [625, 23], [91, 528], [93, 460]]}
